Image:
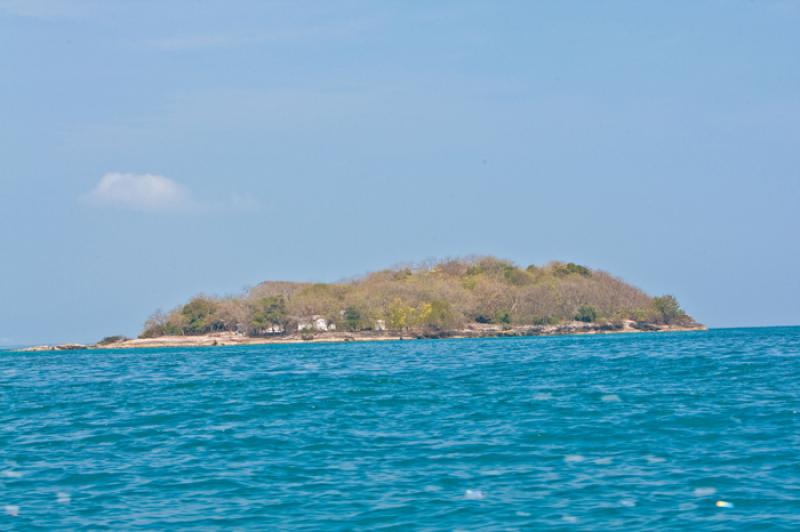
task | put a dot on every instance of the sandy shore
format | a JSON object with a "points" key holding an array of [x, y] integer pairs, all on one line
{"points": [[475, 331]]}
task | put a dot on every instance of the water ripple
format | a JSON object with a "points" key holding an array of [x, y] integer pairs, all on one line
{"points": [[628, 432]]}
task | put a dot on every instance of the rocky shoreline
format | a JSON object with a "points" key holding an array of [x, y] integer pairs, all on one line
{"points": [[474, 331]]}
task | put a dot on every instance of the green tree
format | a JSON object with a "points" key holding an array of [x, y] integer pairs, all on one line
{"points": [[352, 319], [571, 268], [437, 314], [503, 316], [400, 316], [586, 313], [516, 276], [160, 324], [668, 309], [199, 316], [267, 313]]}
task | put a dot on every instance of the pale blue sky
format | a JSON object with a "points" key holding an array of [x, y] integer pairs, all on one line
{"points": [[154, 150]]}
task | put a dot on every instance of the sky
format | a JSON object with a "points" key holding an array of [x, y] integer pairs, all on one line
{"points": [[151, 151]]}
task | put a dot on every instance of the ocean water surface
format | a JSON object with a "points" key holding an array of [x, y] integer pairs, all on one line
{"points": [[658, 431]]}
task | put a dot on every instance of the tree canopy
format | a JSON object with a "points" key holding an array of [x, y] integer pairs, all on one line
{"points": [[445, 295]]}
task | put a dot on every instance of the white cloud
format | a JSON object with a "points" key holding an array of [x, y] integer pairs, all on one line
{"points": [[140, 191]]}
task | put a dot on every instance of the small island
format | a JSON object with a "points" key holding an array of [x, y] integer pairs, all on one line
{"points": [[455, 298]]}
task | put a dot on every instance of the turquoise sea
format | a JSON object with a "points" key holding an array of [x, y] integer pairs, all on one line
{"points": [[626, 432]]}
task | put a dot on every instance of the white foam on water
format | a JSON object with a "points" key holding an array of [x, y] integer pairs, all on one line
{"points": [[523, 514], [569, 518], [573, 458], [604, 461], [654, 459], [543, 396], [627, 503], [63, 497], [430, 488], [11, 509], [687, 506], [11, 474], [562, 503], [474, 495], [704, 492], [610, 398]]}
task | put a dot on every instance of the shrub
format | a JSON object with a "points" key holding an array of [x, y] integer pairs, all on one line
{"points": [[112, 339]]}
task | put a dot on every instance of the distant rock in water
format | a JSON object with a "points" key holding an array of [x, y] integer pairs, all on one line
{"points": [[61, 347]]}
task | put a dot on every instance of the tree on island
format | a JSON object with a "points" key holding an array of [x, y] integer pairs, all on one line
{"points": [[269, 315], [669, 309], [586, 313]]}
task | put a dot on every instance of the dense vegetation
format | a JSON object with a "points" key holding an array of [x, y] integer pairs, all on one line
{"points": [[447, 295]]}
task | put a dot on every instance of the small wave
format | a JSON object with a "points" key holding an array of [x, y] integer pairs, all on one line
{"points": [[474, 495]]}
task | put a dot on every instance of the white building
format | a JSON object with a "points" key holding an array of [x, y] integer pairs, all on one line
{"points": [[316, 323]]}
